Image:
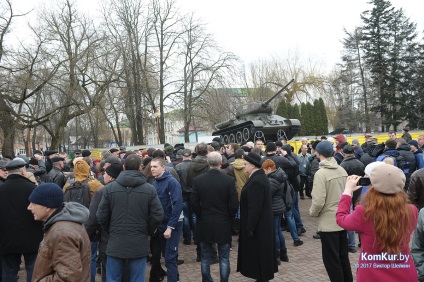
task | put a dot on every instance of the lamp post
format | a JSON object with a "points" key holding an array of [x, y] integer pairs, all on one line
{"points": [[157, 116]]}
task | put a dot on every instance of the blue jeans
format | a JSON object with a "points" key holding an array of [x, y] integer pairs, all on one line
{"points": [[189, 222], [351, 236], [280, 242], [296, 212], [115, 269], [93, 260], [11, 264], [224, 261], [170, 252], [291, 224]]}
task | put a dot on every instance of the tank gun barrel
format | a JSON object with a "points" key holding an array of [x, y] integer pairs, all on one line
{"points": [[276, 94]]}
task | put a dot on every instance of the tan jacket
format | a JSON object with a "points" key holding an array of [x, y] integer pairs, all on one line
{"points": [[236, 170], [81, 173], [65, 253], [329, 184]]}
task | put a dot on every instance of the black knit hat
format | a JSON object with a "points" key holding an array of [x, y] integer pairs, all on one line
{"points": [[271, 147], [114, 170], [49, 195], [86, 153]]}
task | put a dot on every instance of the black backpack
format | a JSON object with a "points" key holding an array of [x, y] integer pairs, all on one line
{"points": [[78, 192], [377, 150], [288, 195]]}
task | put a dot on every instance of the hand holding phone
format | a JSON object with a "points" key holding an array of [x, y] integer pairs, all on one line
{"points": [[364, 181]]}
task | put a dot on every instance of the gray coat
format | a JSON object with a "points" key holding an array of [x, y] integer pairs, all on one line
{"points": [[130, 210]]}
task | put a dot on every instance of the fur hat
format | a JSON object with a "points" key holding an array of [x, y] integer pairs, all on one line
{"points": [[387, 179], [49, 195], [254, 159], [325, 148]]}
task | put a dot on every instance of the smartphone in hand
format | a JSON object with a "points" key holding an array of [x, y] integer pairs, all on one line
{"points": [[364, 181]]}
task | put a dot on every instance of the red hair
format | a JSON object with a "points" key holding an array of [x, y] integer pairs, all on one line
{"points": [[269, 164], [391, 216]]}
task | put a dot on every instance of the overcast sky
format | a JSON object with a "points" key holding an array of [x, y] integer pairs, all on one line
{"points": [[255, 29], [260, 29]]}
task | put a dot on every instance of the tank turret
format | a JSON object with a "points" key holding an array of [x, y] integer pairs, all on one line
{"points": [[254, 120]]}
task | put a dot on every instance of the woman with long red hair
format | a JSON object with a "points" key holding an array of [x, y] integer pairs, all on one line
{"points": [[385, 222]]}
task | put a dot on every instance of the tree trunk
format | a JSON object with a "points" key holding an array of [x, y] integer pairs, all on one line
{"points": [[7, 124], [33, 137]]}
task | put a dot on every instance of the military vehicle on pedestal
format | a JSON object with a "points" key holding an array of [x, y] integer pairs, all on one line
{"points": [[254, 121]]}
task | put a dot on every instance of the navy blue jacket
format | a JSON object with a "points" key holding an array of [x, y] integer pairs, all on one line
{"points": [[171, 198]]}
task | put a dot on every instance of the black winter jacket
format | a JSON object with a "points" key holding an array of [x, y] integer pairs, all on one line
{"points": [[182, 170], [277, 180], [130, 210], [19, 232], [353, 166], [405, 152], [197, 167], [312, 169], [92, 225], [56, 176]]}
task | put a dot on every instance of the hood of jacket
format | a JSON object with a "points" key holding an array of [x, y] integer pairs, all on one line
{"points": [[391, 152], [278, 175], [166, 174], [81, 170], [131, 178], [199, 164], [404, 147], [238, 164], [71, 211], [329, 163]]}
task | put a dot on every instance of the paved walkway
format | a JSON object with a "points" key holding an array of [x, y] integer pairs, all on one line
{"points": [[305, 262]]}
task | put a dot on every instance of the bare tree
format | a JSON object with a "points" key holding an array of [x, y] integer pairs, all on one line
{"points": [[73, 38], [275, 72], [204, 65], [23, 75]]}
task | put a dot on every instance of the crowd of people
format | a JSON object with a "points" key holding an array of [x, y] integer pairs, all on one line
{"points": [[73, 218]]}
